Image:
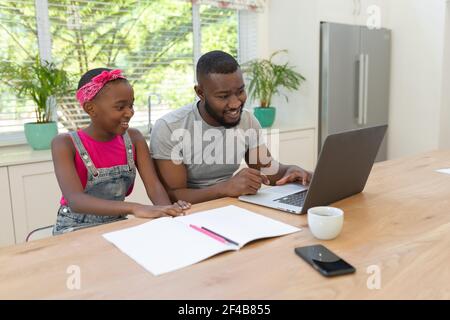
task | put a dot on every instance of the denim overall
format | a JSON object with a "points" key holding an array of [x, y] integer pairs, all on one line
{"points": [[104, 183]]}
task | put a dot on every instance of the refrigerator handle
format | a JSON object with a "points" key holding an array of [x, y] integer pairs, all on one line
{"points": [[366, 85], [361, 90]]}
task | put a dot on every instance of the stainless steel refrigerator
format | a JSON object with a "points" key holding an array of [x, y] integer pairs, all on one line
{"points": [[354, 79]]}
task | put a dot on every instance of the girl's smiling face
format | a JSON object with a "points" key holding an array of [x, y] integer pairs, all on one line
{"points": [[113, 107]]}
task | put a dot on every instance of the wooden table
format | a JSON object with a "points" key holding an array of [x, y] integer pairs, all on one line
{"points": [[400, 224]]}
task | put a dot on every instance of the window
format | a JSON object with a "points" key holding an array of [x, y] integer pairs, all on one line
{"points": [[219, 29], [19, 43], [153, 41]]}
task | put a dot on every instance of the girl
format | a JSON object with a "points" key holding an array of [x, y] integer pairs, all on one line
{"points": [[96, 166]]}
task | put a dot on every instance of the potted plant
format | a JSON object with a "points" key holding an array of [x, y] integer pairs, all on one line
{"points": [[42, 82], [266, 79]]}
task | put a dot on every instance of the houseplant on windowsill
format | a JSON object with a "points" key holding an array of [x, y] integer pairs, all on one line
{"points": [[41, 82], [266, 79]]}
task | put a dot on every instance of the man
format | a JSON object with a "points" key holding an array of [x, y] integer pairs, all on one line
{"points": [[197, 148]]}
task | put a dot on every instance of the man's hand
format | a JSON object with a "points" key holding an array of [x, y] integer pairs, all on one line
{"points": [[294, 174], [246, 181]]}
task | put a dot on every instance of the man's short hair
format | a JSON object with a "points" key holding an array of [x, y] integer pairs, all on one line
{"points": [[216, 62]]}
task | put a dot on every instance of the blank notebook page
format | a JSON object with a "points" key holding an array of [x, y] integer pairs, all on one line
{"points": [[237, 224], [167, 244]]}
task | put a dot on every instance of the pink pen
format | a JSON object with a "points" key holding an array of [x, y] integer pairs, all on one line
{"points": [[208, 233]]}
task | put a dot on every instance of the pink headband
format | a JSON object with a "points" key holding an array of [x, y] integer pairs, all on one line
{"points": [[90, 89]]}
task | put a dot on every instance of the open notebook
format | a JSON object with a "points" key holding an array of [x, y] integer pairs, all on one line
{"points": [[167, 244]]}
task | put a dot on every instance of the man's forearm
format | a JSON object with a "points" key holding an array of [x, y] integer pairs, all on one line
{"points": [[199, 195]]}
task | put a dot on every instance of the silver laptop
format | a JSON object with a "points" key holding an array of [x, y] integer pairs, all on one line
{"points": [[342, 170]]}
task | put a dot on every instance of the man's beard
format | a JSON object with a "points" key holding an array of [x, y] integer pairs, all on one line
{"points": [[220, 118]]}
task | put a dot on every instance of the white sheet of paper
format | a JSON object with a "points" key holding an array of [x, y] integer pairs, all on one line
{"points": [[447, 171], [238, 224], [167, 244], [163, 245]]}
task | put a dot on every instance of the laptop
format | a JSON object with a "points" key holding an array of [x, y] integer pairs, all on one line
{"points": [[342, 170]]}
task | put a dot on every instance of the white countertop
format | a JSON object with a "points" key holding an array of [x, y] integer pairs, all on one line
{"points": [[293, 128], [22, 154]]}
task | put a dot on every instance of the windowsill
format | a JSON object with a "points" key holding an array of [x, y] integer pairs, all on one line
{"points": [[12, 139], [22, 153]]}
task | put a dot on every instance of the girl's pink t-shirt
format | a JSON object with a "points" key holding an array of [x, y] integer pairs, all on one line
{"points": [[104, 154]]}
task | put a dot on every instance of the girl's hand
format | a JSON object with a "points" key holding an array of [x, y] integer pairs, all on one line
{"points": [[183, 204], [149, 212]]}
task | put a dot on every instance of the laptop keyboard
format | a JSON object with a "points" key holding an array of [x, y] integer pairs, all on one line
{"points": [[296, 199]]}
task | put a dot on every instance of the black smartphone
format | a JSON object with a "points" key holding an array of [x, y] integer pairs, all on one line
{"points": [[324, 261]]}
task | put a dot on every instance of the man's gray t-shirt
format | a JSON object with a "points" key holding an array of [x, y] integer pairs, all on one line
{"points": [[210, 154]]}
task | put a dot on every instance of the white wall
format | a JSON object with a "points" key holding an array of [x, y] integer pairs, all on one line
{"points": [[420, 74], [292, 25], [416, 75], [444, 141]]}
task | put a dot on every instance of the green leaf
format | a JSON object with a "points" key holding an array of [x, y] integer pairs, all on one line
{"points": [[37, 81], [267, 78]]}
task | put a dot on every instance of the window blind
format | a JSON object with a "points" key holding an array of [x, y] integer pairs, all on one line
{"points": [[18, 45], [152, 41]]}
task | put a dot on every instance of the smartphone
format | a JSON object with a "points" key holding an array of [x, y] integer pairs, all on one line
{"points": [[324, 261]]}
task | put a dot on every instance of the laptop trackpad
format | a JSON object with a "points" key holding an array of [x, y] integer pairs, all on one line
{"points": [[284, 189], [275, 192]]}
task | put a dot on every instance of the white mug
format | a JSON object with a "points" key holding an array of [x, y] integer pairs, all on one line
{"points": [[325, 223]]}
